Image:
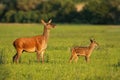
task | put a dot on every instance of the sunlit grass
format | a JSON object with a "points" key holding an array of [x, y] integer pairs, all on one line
{"points": [[104, 62]]}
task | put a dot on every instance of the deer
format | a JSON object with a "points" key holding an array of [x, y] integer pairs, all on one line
{"points": [[83, 51], [36, 44]]}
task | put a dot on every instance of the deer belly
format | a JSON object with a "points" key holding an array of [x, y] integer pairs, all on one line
{"points": [[81, 53], [30, 49]]}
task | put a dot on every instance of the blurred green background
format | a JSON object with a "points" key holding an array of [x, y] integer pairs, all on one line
{"points": [[67, 11]]}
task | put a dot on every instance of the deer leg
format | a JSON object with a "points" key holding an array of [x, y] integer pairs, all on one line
{"points": [[75, 58], [71, 58], [14, 58], [38, 56], [42, 56], [87, 59], [17, 56]]}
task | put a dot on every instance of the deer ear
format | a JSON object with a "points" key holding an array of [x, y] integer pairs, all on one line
{"points": [[50, 21], [43, 22], [91, 40]]}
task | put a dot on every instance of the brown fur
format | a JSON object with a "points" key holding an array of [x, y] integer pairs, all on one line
{"points": [[36, 44], [82, 51]]}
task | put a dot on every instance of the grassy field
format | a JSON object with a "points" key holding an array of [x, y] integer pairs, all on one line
{"points": [[104, 62]]}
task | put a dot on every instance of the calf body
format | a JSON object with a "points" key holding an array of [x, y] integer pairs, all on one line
{"points": [[82, 51]]}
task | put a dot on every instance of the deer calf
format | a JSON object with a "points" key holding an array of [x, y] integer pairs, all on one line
{"points": [[83, 51]]}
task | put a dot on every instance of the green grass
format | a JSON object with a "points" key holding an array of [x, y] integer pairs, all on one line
{"points": [[104, 62]]}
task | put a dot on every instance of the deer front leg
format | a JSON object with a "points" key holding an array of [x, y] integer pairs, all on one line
{"points": [[42, 56], [87, 58], [38, 56]]}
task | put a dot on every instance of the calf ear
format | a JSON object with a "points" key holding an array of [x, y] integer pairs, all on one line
{"points": [[50, 21], [43, 22], [91, 40]]}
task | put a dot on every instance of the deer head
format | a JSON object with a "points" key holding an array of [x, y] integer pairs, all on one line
{"points": [[94, 42], [48, 25]]}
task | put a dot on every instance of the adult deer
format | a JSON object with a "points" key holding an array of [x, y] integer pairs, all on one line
{"points": [[83, 51], [36, 44]]}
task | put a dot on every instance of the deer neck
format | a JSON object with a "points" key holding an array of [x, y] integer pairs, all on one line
{"points": [[46, 33], [91, 47]]}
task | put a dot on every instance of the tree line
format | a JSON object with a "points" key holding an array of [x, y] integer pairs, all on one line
{"points": [[32, 11]]}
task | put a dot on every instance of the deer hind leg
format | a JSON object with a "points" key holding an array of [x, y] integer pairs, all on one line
{"points": [[71, 58], [76, 58], [17, 56]]}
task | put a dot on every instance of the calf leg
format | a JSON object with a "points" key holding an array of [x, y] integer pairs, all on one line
{"points": [[76, 58], [71, 58]]}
